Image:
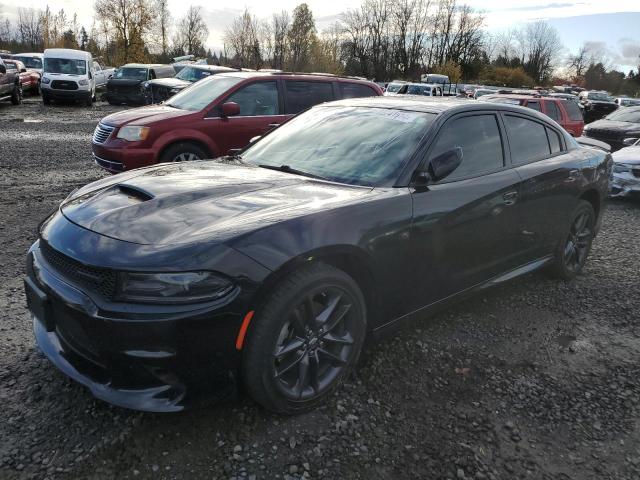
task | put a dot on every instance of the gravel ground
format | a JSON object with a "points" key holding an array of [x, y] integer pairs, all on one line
{"points": [[536, 379]]}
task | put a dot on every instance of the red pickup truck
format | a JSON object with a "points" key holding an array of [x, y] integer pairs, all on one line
{"points": [[29, 80]]}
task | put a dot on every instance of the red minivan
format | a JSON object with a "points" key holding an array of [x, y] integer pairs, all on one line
{"points": [[214, 117], [565, 112]]}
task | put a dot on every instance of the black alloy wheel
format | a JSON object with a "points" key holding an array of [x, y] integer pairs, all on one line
{"points": [[573, 250], [305, 340]]}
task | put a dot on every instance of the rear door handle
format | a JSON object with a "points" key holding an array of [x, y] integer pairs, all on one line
{"points": [[510, 198]]}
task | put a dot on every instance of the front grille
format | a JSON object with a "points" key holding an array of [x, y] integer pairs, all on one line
{"points": [[99, 280], [64, 85], [605, 134], [101, 133]]}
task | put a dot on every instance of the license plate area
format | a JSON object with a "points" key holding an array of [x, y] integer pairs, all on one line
{"points": [[39, 304]]}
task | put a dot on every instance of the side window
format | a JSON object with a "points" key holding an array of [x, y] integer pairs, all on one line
{"points": [[96, 67], [11, 67], [357, 90], [554, 141], [151, 74], [552, 110], [302, 95], [573, 110], [527, 139], [479, 138], [534, 106], [260, 98]]}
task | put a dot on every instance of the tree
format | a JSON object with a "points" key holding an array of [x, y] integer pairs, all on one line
{"points": [[241, 41], [301, 36], [579, 62], [84, 38], [163, 26], [280, 28], [539, 48], [193, 32]]}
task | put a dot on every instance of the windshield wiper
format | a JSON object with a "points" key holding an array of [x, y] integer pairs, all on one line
{"points": [[288, 169]]}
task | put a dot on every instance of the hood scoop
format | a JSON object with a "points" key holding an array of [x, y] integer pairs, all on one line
{"points": [[135, 192]]}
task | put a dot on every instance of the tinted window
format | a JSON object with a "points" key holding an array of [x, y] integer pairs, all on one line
{"points": [[479, 138], [534, 106], [302, 95], [202, 93], [260, 98], [631, 115], [554, 141], [527, 139], [355, 90], [552, 110], [573, 110], [133, 73]]}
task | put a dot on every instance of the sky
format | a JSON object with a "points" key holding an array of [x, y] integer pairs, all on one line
{"points": [[613, 27]]}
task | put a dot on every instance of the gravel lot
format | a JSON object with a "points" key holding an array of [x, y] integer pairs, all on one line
{"points": [[536, 379]]}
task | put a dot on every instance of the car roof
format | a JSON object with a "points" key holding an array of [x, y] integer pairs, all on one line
{"points": [[517, 96], [144, 65], [67, 52], [29, 54], [213, 68], [254, 74], [415, 103]]}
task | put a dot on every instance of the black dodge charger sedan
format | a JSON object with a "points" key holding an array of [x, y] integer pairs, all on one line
{"points": [[274, 267]]}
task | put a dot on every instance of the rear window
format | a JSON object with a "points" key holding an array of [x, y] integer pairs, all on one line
{"points": [[552, 110], [527, 139], [132, 73], [573, 110], [534, 106], [355, 90], [303, 95]]}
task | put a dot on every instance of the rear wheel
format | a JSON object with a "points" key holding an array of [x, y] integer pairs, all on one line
{"points": [[183, 152], [16, 94], [45, 99], [304, 340], [572, 251]]}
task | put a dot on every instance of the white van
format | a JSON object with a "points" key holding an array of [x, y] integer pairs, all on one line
{"points": [[68, 75]]}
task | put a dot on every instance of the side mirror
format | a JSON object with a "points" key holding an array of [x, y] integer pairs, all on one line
{"points": [[442, 165], [627, 142], [230, 109], [3, 69]]}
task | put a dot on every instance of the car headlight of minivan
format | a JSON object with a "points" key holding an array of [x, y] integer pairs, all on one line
{"points": [[621, 168], [83, 82], [133, 133], [178, 287], [45, 80]]}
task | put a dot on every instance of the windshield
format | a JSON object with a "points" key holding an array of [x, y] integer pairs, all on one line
{"points": [[201, 94], [599, 96], [417, 90], [624, 115], [29, 62], [66, 66], [190, 74], [131, 73], [394, 87], [354, 145], [628, 102]]}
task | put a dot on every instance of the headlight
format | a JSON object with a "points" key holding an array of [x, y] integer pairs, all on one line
{"points": [[621, 168], [174, 90], [45, 80], [133, 133], [84, 82], [180, 287]]}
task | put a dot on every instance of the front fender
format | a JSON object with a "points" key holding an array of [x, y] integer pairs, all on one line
{"points": [[184, 135]]}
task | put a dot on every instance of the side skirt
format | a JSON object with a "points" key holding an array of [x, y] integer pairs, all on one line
{"points": [[384, 330]]}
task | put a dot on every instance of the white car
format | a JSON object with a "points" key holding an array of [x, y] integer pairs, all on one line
{"points": [[68, 75], [627, 102], [625, 179]]}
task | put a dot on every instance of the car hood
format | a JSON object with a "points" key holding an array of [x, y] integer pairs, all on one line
{"points": [[194, 201], [613, 125], [144, 115], [123, 82], [628, 155], [169, 82]]}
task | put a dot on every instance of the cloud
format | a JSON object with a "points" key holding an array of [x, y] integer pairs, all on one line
{"points": [[629, 51], [546, 6]]}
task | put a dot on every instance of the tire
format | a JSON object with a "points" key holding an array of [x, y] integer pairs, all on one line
{"points": [[182, 152], [572, 250], [89, 102], [323, 356], [16, 95], [45, 99]]}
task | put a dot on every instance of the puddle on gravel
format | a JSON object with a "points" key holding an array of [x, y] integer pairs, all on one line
{"points": [[566, 340]]}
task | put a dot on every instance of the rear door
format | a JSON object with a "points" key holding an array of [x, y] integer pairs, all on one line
{"points": [[357, 90], [261, 109], [550, 183], [465, 226], [300, 95]]}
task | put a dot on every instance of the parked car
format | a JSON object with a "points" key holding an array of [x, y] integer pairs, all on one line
{"points": [[627, 102], [101, 73], [480, 92], [596, 105], [593, 143], [33, 61], [10, 88], [214, 117], [272, 268], [423, 89], [625, 180], [29, 80], [67, 76], [566, 113], [126, 86], [394, 87], [161, 89], [619, 129], [5, 54], [434, 78]]}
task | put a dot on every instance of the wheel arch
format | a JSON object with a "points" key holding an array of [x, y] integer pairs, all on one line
{"points": [[193, 141], [593, 197]]}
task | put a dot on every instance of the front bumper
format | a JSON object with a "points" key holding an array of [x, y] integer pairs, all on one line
{"points": [[117, 155], [625, 184], [66, 94], [143, 357], [126, 98]]}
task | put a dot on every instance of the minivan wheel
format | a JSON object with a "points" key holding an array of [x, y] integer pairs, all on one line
{"points": [[572, 251], [183, 152], [305, 340], [16, 94]]}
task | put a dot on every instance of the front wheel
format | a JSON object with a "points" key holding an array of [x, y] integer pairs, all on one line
{"points": [[304, 340], [572, 251], [183, 152]]}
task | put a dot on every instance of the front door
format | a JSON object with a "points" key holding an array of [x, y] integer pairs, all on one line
{"points": [[465, 226]]}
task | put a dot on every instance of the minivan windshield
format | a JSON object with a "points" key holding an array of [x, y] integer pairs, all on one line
{"points": [[201, 94], [356, 145], [65, 66], [191, 74], [29, 62], [131, 73], [394, 87], [625, 115], [603, 97]]}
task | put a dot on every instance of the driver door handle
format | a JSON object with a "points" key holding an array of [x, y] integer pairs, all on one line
{"points": [[510, 197]]}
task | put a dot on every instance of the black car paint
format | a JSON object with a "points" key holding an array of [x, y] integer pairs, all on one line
{"points": [[613, 132], [413, 248]]}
